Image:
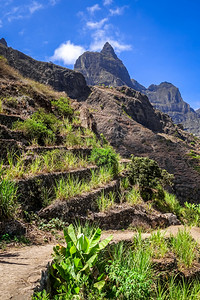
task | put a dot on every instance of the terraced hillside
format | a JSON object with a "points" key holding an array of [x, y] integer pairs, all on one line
{"points": [[57, 168]]}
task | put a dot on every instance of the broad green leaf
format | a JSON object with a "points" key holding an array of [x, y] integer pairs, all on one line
{"points": [[99, 285], [105, 242], [82, 243], [77, 263], [72, 234], [90, 262], [94, 239], [72, 250], [76, 290]]}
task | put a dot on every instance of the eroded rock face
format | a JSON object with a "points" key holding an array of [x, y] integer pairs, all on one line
{"points": [[167, 98], [61, 79], [133, 126], [103, 68]]}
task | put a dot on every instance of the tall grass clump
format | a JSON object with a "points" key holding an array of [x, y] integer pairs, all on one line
{"points": [[185, 247], [8, 197], [70, 187], [1, 106], [133, 196], [158, 244], [168, 203], [178, 290], [105, 202]]}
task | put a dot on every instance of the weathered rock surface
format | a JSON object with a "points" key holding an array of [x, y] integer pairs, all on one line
{"points": [[61, 79], [167, 98], [133, 126], [103, 68]]}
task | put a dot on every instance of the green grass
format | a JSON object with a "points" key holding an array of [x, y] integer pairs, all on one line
{"points": [[70, 187], [130, 273], [1, 106], [105, 202], [158, 244], [8, 197], [52, 161], [178, 290], [184, 247], [133, 197]]}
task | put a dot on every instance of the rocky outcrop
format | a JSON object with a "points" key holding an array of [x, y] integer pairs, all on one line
{"points": [[167, 98], [61, 79], [133, 126], [103, 68]]}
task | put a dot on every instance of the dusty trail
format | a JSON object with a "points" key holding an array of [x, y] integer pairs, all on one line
{"points": [[20, 269]]}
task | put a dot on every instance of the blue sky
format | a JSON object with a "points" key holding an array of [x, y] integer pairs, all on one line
{"points": [[157, 40]]}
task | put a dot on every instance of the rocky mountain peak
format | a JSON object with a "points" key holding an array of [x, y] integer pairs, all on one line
{"points": [[108, 50], [3, 42], [103, 68]]}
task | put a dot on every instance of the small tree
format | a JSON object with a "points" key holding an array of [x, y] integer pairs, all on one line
{"points": [[150, 179]]}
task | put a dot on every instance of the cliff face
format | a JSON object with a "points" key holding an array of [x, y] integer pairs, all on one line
{"points": [[61, 79], [103, 68], [167, 98]]}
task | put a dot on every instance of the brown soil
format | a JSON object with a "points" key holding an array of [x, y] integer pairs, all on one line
{"points": [[21, 268]]}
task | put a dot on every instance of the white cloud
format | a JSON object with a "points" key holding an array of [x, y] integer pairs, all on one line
{"points": [[100, 37], [67, 53], [117, 11], [96, 25], [34, 7], [93, 8], [107, 2]]}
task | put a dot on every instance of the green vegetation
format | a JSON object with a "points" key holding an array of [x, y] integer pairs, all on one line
{"points": [[1, 106], [150, 179], [105, 157], [73, 269], [133, 196], [10, 101], [185, 247], [52, 161], [70, 187], [39, 127], [129, 271], [105, 202], [178, 290], [62, 107], [8, 197], [158, 244]]}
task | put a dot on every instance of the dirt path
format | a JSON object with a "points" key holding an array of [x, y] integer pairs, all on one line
{"points": [[20, 269]]}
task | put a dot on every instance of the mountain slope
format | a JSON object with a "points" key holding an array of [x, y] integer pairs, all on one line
{"points": [[105, 68], [61, 79]]}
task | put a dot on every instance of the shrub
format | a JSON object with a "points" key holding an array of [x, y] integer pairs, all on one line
{"points": [[105, 157], [40, 126], [146, 173], [63, 108]]}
